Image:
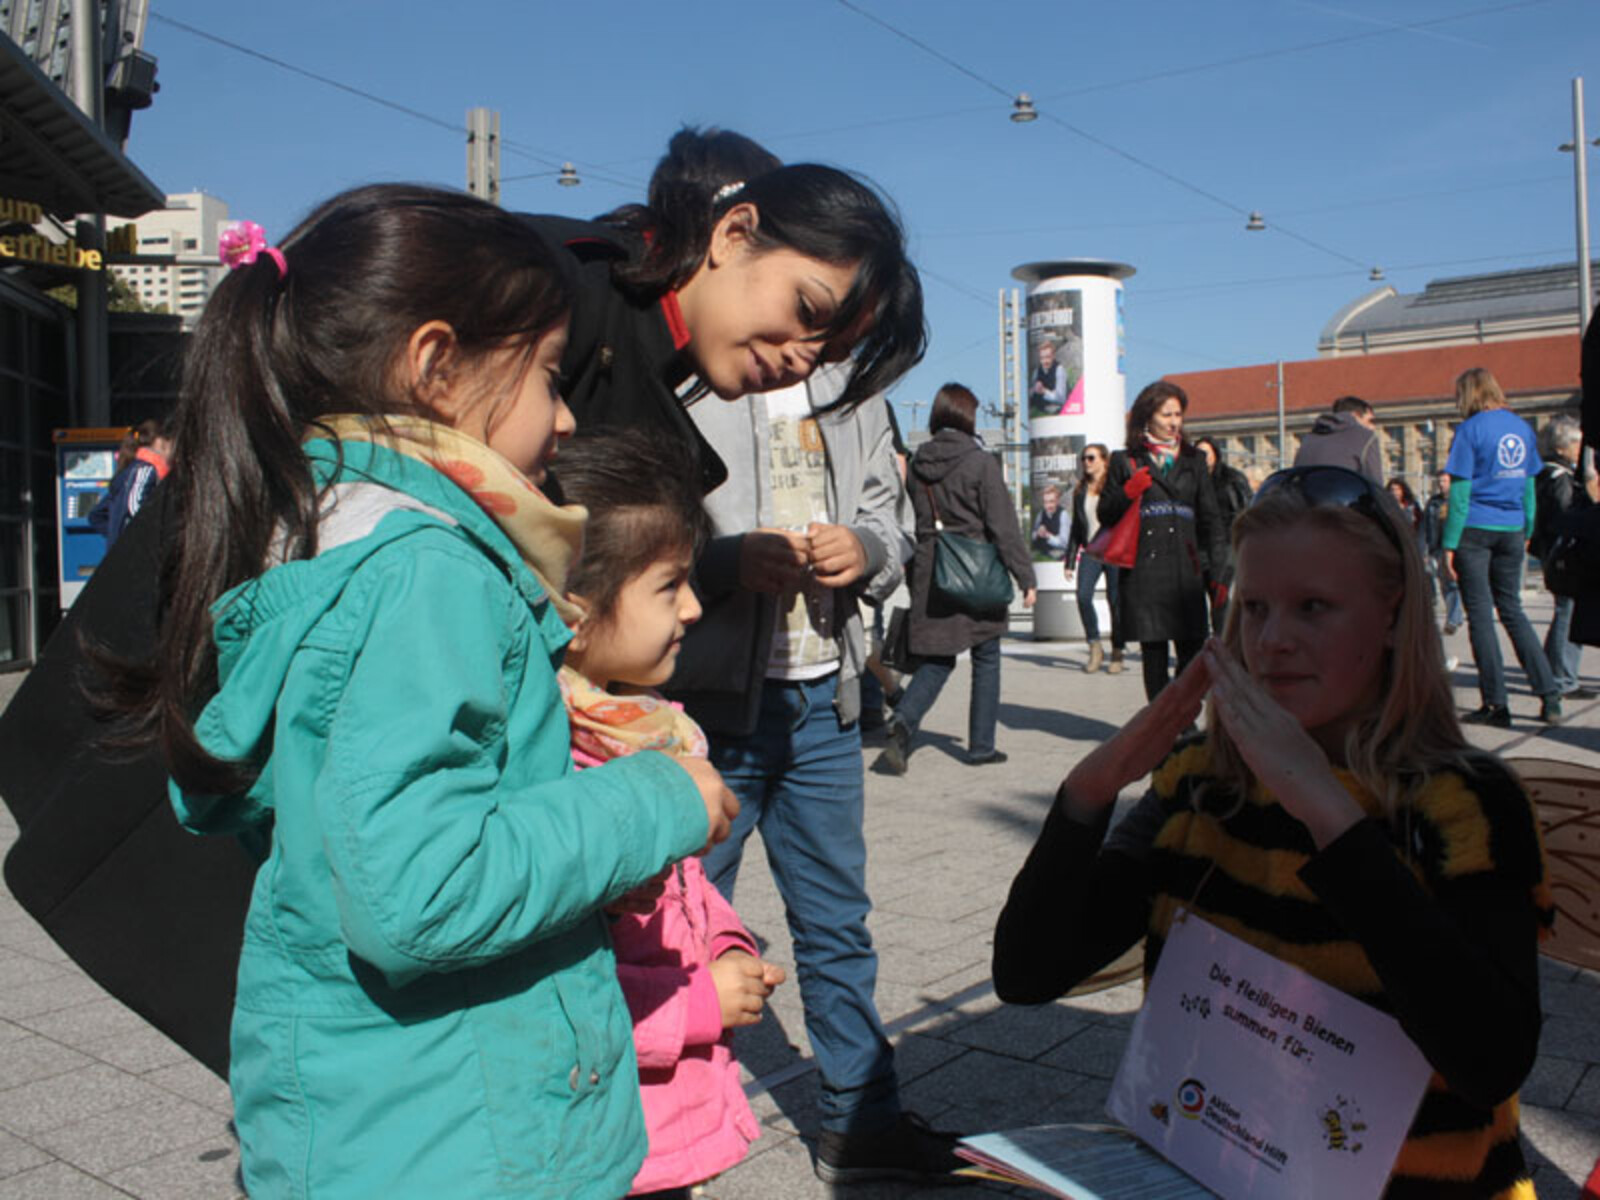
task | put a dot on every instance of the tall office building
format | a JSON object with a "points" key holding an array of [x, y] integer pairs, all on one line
{"points": [[186, 229]]}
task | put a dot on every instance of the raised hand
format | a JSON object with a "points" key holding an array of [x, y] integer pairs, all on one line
{"points": [[1280, 753], [1139, 746]]}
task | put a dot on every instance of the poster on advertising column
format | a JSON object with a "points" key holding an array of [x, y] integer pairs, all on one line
{"points": [[1261, 1081], [1055, 353]]}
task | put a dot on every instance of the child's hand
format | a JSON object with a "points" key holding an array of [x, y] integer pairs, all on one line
{"points": [[742, 985], [722, 806], [642, 900]]}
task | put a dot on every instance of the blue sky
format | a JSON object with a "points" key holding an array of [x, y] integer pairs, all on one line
{"points": [[1415, 135]]}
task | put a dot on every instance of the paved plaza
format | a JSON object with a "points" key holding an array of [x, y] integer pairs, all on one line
{"points": [[94, 1103]]}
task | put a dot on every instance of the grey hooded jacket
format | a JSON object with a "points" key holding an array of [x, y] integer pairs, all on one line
{"points": [[723, 663]]}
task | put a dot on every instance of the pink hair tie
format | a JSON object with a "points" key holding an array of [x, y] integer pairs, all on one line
{"points": [[242, 242]]}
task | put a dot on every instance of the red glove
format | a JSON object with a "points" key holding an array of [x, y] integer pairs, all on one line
{"points": [[1219, 595], [1138, 484]]}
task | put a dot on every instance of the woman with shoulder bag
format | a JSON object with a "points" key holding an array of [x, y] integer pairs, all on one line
{"points": [[1084, 570], [1182, 550], [956, 488]]}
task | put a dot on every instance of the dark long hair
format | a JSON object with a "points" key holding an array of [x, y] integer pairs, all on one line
{"points": [[642, 506], [954, 407], [1151, 397], [820, 212], [273, 355]]}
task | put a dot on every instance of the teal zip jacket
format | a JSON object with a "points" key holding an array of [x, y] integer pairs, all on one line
{"points": [[428, 1003]]}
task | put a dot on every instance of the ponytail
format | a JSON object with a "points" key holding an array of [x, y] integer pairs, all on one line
{"points": [[274, 353]]}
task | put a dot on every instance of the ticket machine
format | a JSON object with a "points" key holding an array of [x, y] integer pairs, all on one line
{"points": [[86, 459]]}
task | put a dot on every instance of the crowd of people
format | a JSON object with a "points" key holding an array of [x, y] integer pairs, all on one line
{"points": [[512, 571]]}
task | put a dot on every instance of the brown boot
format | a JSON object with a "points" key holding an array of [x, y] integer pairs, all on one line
{"points": [[1097, 656]]}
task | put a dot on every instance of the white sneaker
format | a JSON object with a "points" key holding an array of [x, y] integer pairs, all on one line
{"points": [[1451, 663]]}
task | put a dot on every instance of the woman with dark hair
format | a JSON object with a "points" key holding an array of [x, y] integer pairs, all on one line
{"points": [[739, 274], [956, 485], [1182, 549], [1085, 570]]}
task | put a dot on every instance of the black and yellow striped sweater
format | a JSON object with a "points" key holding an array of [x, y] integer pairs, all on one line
{"points": [[1434, 920]]}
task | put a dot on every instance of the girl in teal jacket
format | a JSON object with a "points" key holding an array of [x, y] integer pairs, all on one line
{"points": [[359, 661]]}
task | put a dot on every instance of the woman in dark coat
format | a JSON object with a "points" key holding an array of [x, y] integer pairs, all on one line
{"points": [[955, 474], [1182, 544]]}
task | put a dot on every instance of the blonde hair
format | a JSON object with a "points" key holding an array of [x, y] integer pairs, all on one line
{"points": [[1478, 391], [1412, 732]]}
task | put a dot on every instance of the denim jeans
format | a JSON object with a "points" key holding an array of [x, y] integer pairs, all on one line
{"points": [[798, 778], [1489, 562], [1089, 571], [1562, 653], [983, 711]]}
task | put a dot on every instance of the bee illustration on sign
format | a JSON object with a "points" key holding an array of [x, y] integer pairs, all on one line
{"points": [[1342, 1124]]}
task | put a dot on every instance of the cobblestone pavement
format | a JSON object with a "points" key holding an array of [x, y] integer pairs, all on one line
{"points": [[94, 1103]]}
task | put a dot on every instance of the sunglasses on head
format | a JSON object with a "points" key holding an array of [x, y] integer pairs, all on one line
{"points": [[1334, 487]]}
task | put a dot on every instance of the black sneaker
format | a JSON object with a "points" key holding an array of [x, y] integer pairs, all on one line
{"points": [[908, 1150], [1497, 715], [1580, 693], [984, 760], [897, 751]]}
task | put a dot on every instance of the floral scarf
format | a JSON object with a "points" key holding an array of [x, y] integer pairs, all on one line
{"points": [[606, 726], [547, 536], [1161, 452]]}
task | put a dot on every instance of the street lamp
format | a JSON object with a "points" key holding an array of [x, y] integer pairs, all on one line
{"points": [[1255, 222], [1577, 147], [1022, 110], [568, 176]]}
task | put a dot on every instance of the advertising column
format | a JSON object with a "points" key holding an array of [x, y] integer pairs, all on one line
{"points": [[1076, 395]]}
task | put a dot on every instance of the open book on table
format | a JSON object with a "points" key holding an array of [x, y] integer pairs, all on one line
{"points": [[1079, 1162]]}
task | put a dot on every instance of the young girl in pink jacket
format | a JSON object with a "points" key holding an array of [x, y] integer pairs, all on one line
{"points": [[689, 969]]}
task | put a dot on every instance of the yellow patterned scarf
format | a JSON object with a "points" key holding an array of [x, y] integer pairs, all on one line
{"points": [[606, 726], [547, 536]]}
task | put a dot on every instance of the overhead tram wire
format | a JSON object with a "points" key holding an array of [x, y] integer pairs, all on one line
{"points": [[506, 144], [1109, 147]]}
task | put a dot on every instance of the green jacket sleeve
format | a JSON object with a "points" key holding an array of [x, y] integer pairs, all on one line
{"points": [[1530, 507], [1456, 520], [450, 843]]}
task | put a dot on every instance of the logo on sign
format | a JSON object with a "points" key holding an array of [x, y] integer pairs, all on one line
{"points": [[1191, 1098], [1512, 451]]}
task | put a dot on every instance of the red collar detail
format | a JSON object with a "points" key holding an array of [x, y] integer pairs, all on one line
{"points": [[675, 322], [147, 455]]}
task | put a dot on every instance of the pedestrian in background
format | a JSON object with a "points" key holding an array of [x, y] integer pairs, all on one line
{"points": [[1492, 465], [1084, 571], [1233, 492], [1182, 551], [955, 476], [1433, 521], [1346, 436], [1557, 492]]}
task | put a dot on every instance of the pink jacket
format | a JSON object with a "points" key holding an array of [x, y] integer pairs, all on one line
{"points": [[694, 1107]]}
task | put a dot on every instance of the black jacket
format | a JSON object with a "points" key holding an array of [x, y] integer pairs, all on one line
{"points": [[1181, 546], [1556, 492], [966, 484], [625, 364]]}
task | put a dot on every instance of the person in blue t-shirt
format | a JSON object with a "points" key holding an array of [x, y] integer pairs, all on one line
{"points": [[1492, 464]]}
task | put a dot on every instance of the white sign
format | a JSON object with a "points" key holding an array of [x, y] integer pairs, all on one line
{"points": [[1261, 1081]]}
